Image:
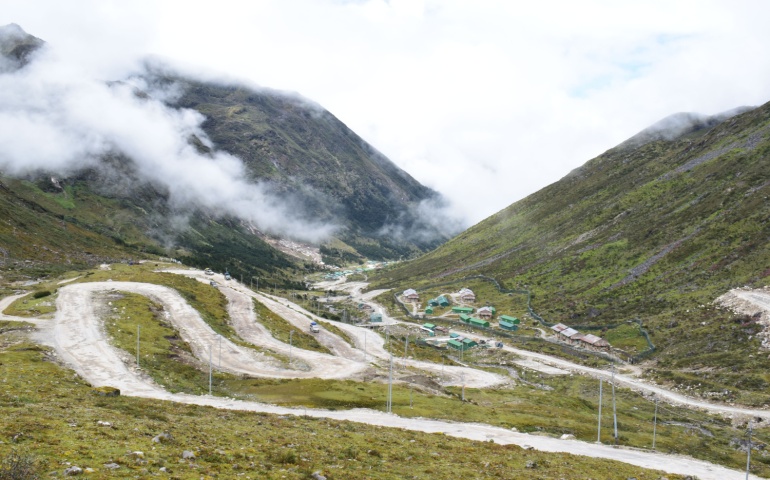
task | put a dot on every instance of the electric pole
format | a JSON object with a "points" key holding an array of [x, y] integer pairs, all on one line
{"points": [[210, 370], [599, 429], [614, 409], [655, 424], [291, 333], [390, 385], [138, 328], [748, 453]]}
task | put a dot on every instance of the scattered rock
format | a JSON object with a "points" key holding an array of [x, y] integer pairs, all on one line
{"points": [[136, 454], [318, 476], [72, 471], [163, 437], [188, 455], [106, 391], [103, 424], [162, 469], [531, 464], [111, 466], [568, 436]]}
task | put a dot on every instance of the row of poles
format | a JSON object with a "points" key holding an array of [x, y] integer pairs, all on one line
{"points": [[389, 402], [654, 425]]}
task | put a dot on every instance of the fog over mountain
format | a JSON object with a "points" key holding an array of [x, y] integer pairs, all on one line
{"points": [[58, 119]]}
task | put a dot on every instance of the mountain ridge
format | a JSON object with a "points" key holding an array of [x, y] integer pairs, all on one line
{"points": [[653, 233], [300, 166]]}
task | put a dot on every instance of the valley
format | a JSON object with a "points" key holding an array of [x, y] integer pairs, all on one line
{"points": [[76, 333], [224, 280]]}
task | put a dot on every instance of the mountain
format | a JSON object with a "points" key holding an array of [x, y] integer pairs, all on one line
{"points": [[16, 47], [655, 229], [302, 150], [272, 156]]}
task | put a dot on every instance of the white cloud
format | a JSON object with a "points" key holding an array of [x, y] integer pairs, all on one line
{"points": [[54, 117], [486, 101]]}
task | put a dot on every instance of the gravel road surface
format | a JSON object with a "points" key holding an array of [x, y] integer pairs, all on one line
{"points": [[78, 336]]}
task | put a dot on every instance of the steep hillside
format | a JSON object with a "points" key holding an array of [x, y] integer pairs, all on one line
{"points": [[653, 230], [270, 159], [52, 225], [303, 151]]}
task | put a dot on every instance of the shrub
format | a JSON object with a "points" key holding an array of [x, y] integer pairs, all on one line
{"points": [[16, 466], [41, 294]]}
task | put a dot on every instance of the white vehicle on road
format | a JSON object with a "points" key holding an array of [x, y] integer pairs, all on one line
{"points": [[314, 328]]}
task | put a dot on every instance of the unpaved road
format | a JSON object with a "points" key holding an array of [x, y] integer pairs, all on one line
{"points": [[758, 299], [79, 339], [367, 343]]}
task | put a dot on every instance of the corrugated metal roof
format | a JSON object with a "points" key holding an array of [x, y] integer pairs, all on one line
{"points": [[595, 341], [410, 291], [480, 322], [569, 332], [559, 327]]}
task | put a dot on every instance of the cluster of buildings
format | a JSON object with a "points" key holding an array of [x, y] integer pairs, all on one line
{"points": [[483, 315], [585, 340]]}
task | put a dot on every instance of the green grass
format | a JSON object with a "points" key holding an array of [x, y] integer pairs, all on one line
{"points": [[56, 421], [281, 330], [626, 338], [552, 406], [28, 306], [163, 354], [632, 236]]}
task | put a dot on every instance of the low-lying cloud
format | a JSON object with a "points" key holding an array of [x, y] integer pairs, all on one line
{"points": [[55, 118]]}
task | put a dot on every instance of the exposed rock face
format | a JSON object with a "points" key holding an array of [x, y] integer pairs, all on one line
{"points": [[16, 47]]}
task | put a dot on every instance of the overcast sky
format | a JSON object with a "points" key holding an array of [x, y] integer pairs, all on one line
{"points": [[484, 101]]}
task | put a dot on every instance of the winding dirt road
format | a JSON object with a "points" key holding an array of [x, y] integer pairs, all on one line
{"points": [[78, 336], [758, 299]]}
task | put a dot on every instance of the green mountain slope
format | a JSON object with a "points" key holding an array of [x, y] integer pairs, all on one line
{"points": [[295, 152], [52, 225], [653, 230], [302, 150]]}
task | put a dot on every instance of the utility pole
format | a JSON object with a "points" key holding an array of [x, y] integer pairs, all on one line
{"points": [[748, 453], [210, 370], [614, 410], [220, 351], [655, 424], [390, 386], [364, 345], [406, 346], [599, 429], [138, 328], [463, 380], [291, 333]]}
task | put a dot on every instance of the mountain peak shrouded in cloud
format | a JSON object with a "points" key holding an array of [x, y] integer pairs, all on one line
{"points": [[678, 124], [274, 160], [16, 46]]}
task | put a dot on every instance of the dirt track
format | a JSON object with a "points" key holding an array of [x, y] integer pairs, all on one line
{"points": [[78, 337]]}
